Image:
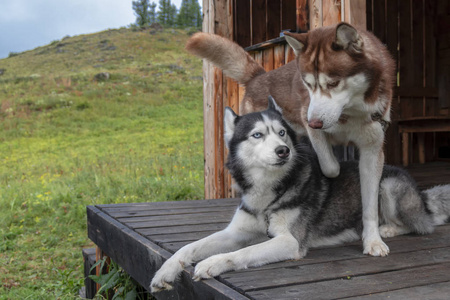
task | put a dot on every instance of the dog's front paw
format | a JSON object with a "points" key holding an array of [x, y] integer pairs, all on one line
{"points": [[166, 276], [376, 248], [212, 267], [331, 169]]}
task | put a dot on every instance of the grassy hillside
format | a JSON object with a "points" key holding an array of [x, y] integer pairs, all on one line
{"points": [[69, 139]]}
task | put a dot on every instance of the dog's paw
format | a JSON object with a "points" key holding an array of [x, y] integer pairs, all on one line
{"points": [[166, 276], [212, 267], [376, 248], [331, 169]]}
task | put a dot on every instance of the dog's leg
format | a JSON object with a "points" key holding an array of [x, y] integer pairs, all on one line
{"points": [[242, 231], [279, 248], [282, 246], [328, 162], [370, 169]]}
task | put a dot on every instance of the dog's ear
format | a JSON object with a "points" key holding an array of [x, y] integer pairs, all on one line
{"points": [[274, 106], [229, 124], [296, 40], [347, 38]]}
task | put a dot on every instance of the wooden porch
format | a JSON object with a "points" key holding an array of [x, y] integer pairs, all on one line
{"points": [[139, 237]]}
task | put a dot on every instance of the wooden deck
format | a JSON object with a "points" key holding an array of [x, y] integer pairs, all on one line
{"points": [[139, 237]]}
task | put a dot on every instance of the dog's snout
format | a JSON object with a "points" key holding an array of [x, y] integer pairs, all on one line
{"points": [[282, 151], [315, 124]]}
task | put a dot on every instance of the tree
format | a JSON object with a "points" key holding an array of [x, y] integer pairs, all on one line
{"points": [[163, 12], [190, 14], [172, 15], [141, 10], [152, 13]]}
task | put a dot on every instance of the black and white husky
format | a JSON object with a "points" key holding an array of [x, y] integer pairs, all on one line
{"points": [[286, 197]]}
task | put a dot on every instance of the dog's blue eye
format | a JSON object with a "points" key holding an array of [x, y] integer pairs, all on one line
{"points": [[282, 132], [257, 135]]}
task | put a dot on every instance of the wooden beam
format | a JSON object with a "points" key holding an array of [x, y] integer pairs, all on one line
{"points": [[354, 12]]}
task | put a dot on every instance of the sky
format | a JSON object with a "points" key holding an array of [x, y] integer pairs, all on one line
{"points": [[27, 24]]}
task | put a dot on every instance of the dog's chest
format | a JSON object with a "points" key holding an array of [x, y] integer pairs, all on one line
{"points": [[359, 130]]}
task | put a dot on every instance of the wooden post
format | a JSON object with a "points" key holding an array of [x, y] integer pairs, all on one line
{"points": [[302, 15]]}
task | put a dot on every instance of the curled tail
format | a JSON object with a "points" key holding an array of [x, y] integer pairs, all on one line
{"points": [[438, 201], [225, 54]]}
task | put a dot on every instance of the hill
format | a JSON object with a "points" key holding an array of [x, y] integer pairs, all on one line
{"points": [[109, 117]]}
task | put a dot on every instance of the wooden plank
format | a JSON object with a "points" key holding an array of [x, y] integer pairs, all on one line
{"points": [[416, 92], [437, 291], [242, 28], [315, 14], [258, 21], [302, 15], [273, 19], [216, 226], [359, 286], [233, 103], [261, 279], [379, 19], [409, 107], [331, 12], [393, 142], [369, 14], [268, 59], [402, 244], [278, 56], [288, 21], [431, 105], [183, 221], [418, 48], [355, 12], [172, 204], [118, 241], [165, 212], [178, 219], [180, 237]]}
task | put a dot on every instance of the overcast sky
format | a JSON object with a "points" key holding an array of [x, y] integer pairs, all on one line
{"points": [[27, 24]]}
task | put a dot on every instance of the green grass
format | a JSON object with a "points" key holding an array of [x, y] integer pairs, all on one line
{"points": [[67, 141]]}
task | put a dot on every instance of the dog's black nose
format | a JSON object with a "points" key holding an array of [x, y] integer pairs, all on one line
{"points": [[282, 151]]}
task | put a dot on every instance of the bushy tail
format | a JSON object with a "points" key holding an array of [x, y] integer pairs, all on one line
{"points": [[438, 200], [225, 54]]}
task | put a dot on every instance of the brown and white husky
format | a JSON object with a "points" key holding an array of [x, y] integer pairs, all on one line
{"points": [[337, 90]]}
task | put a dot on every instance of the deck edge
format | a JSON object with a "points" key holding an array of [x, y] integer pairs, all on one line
{"points": [[118, 241]]}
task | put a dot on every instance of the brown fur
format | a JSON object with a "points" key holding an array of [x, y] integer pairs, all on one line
{"points": [[285, 83]]}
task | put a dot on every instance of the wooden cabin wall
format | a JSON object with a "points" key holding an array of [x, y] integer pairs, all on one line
{"points": [[408, 28]]}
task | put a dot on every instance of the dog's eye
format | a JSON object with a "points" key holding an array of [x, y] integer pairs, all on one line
{"points": [[332, 84], [257, 135], [282, 132]]}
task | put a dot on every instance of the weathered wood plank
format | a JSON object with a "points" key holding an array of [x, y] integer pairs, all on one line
{"points": [[258, 21], [165, 212], [398, 245], [177, 222], [242, 25], [262, 279], [273, 19], [437, 291], [172, 204], [182, 228], [359, 286], [288, 20], [120, 241], [177, 219]]}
